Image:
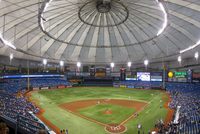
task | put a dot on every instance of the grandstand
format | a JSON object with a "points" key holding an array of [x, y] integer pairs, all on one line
{"points": [[99, 66], [35, 82]]}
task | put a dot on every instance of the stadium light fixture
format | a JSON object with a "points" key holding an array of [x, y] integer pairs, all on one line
{"points": [[129, 64], [11, 56], [146, 62], [190, 47], [112, 64], [179, 59], [61, 63], [47, 4], [196, 55], [78, 64], [44, 61]]}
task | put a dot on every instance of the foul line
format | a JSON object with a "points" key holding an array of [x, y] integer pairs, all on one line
{"points": [[123, 122], [132, 116]]}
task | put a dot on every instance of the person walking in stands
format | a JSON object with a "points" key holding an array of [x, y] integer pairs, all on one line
{"points": [[66, 131]]}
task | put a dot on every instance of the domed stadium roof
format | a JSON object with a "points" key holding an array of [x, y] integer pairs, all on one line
{"points": [[100, 31]]}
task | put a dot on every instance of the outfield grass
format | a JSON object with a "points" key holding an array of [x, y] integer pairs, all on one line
{"points": [[119, 113], [50, 99]]}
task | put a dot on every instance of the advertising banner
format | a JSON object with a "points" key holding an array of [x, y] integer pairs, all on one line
{"points": [[42, 88]]}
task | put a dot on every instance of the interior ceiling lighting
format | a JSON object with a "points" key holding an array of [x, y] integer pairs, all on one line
{"points": [[190, 47], [47, 4], [196, 55], [129, 64], [6, 42], [78, 64], [61, 63], [11, 56], [146, 62], [165, 17], [44, 61], [42, 19], [179, 59], [112, 64]]}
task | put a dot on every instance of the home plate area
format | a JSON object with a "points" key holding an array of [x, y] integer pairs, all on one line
{"points": [[115, 129]]}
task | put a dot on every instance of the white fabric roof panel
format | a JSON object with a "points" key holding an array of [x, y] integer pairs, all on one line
{"points": [[93, 32]]}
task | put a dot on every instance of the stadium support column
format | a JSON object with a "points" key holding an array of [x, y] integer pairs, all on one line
{"points": [[189, 76], [164, 77], [122, 74], [28, 80], [16, 127], [28, 71]]}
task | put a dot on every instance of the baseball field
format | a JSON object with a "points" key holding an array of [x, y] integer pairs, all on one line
{"points": [[101, 110]]}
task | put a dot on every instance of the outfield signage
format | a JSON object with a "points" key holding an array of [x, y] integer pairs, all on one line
{"points": [[115, 74], [61, 86], [36, 88], [44, 88], [131, 78], [131, 75], [180, 74], [156, 76], [196, 75]]}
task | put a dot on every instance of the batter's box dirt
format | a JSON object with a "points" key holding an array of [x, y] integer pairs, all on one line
{"points": [[74, 107], [115, 129]]}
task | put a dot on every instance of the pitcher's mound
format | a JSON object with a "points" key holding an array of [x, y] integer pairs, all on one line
{"points": [[108, 111], [115, 129]]}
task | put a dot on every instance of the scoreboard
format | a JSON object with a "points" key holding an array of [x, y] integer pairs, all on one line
{"points": [[144, 76], [100, 72], [180, 76]]}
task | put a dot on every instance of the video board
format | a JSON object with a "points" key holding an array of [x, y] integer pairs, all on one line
{"points": [[156, 76], [143, 76], [131, 75]]}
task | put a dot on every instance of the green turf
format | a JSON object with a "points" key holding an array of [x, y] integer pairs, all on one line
{"points": [[119, 113], [50, 99]]}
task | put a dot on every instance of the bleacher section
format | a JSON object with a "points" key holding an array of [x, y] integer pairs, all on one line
{"points": [[48, 82], [138, 84], [13, 85], [97, 82], [15, 112], [186, 96]]}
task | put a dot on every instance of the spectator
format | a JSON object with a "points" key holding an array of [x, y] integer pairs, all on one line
{"points": [[3, 128], [42, 131]]}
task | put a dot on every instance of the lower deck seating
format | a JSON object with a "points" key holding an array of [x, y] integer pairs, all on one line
{"points": [[97, 82], [187, 97], [139, 84], [13, 85], [15, 109]]}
